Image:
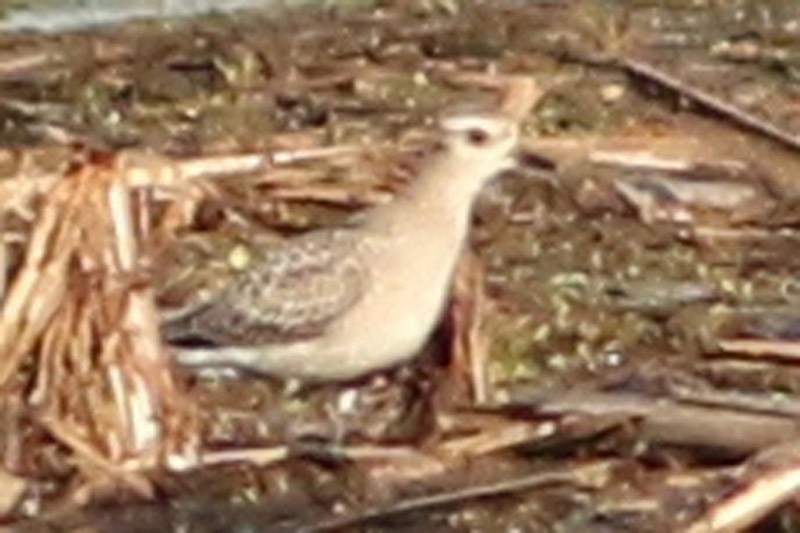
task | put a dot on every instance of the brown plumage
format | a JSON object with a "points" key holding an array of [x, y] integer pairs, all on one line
{"points": [[292, 291]]}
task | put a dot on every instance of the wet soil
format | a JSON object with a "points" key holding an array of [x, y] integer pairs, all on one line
{"points": [[637, 336]]}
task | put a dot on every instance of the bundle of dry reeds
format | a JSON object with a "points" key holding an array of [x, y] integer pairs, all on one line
{"points": [[80, 354]]}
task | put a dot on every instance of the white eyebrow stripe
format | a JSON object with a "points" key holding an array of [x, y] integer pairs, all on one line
{"points": [[463, 123]]}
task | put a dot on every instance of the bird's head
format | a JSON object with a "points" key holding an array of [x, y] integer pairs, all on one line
{"points": [[484, 141]]}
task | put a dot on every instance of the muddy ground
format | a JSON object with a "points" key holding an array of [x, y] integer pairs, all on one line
{"points": [[621, 354]]}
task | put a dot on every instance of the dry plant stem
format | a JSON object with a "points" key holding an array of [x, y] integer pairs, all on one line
{"points": [[712, 232], [709, 101], [746, 507], [94, 460], [223, 165], [58, 134], [661, 152], [668, 421], [102, 382], [4, 264], [12, 489], [14, 64], [12, 411], [337, 195], [38, 289], [741, 401], [376, 453], [30, 181], [287, 157], [143, 170], [588, 475], [268, 456], [259, 457], [140, 322], [470, 345], [520, 94], [786, 350], [639, 160], [517, 94], [493, 438]]}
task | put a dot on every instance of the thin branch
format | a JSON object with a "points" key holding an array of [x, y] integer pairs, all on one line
{"points": [[787, 350], [709, 101], [589, 475], [746, 507]]}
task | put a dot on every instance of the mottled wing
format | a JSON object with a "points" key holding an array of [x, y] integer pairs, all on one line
{"points": [[292, 290]]}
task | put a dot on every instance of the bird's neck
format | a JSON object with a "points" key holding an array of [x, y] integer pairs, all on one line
{"points": [[440, 199]]}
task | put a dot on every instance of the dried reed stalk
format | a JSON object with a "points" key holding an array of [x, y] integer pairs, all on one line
{"points": [[79, 336]]}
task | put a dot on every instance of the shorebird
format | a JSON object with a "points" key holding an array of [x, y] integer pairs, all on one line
{"points": [[337, 304]]}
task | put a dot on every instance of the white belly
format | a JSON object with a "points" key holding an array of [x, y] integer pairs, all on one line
{"points": [[397, 316]]}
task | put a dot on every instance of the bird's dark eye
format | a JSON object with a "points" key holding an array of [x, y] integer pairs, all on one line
{"points": [[477, 137]]}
